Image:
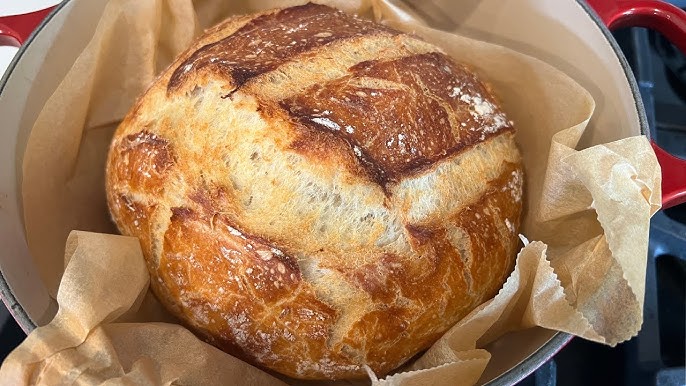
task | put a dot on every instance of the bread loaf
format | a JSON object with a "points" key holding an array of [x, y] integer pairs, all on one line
{"points": [[316, 193]]}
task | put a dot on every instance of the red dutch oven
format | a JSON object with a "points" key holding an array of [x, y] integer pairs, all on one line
{"points": [[670, 21], [19, 284]]}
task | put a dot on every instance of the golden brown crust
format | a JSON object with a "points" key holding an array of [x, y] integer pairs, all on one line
{"points": [[400, 115], [324, 205], [270, 39]]}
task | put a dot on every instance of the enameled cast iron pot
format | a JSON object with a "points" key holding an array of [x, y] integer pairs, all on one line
{"points": [[577, 41]]}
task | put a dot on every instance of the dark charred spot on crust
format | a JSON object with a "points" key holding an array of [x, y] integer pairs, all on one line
{"points": [[401, 116], [211, 199], [183, 214], [375, 171], [421, 234], [270, 40], [270, 110], [242, 75]]}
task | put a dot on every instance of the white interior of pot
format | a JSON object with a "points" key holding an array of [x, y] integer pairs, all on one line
{"points": [[558, 32], [564, 35], [29, 83]]}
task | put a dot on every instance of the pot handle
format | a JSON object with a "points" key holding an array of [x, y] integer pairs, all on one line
{"points": [[670, 21], [673, 177], [665, 18], [15, 29], [9, 37]]}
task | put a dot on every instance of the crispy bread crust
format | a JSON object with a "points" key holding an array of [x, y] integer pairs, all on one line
{"points": [[315, 192]]}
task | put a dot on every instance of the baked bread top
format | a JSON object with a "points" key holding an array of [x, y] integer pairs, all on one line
{"points": [[317, 193]]}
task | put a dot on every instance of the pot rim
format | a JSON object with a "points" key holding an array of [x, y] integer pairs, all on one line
{"points": [[509, 377], [6, 294]]}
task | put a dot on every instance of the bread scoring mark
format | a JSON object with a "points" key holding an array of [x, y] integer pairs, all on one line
{"points": [[215, 281], [322, 145], [215, 208], [283, 268], [460, 240], [405, 298], [268, 265], [142, 159], [484, 224], [401, 116], [269, 40], [332, 62], [426, 286], [450, 184]]}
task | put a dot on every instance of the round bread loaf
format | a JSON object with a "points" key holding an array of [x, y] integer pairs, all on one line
{"points": [[316, 193]]}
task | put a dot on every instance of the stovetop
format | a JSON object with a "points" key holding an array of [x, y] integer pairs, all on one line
{"points": [[656, 355]]}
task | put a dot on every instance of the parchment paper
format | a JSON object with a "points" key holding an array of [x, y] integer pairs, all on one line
{"points": [[587, 213]]}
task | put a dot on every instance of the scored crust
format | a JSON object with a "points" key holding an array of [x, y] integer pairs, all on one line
{"points": [[316, 193]]}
